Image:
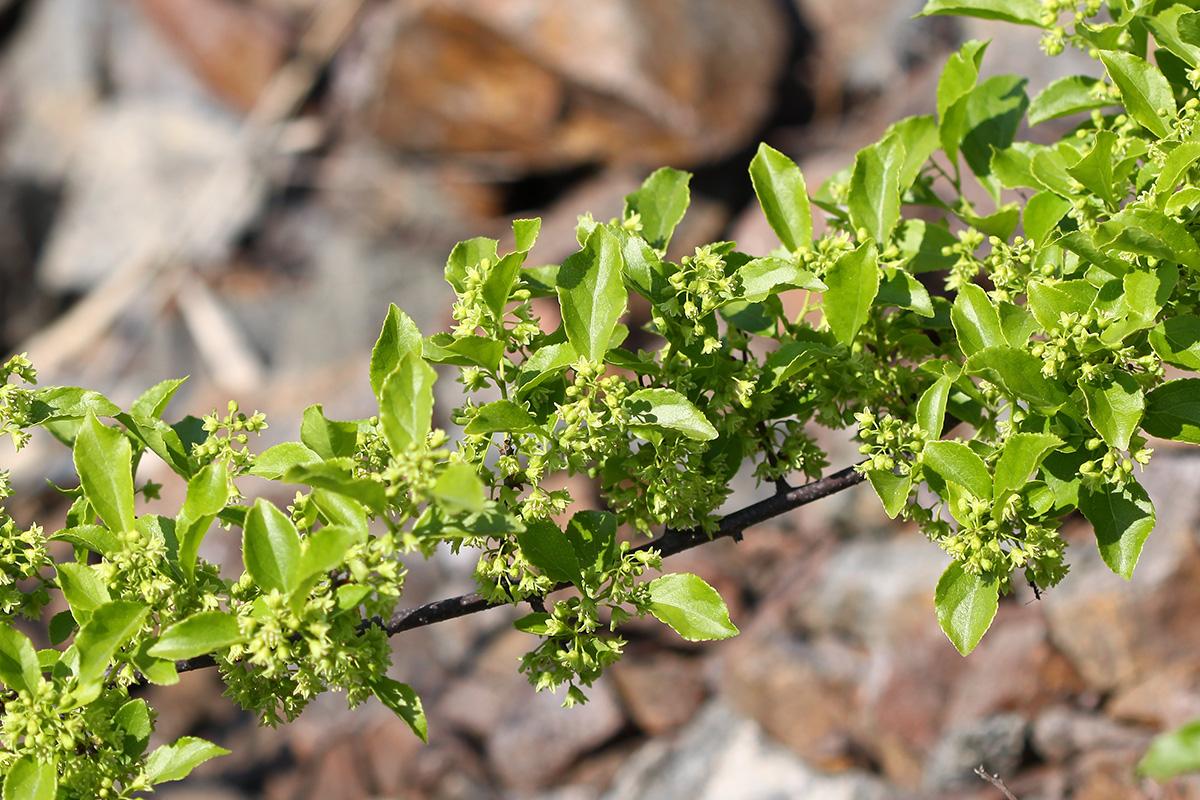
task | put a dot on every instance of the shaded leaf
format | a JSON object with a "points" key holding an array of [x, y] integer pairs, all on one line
{"points": [[201, 633], [667, 409], [1122, 517]]}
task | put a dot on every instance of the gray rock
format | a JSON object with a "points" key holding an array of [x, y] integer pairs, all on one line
{"points": [[995, 743]]}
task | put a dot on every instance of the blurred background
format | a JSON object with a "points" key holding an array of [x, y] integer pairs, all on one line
{"points": [[236, 189]]}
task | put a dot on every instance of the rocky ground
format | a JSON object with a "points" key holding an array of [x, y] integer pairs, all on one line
{"points": [[236, 189]]}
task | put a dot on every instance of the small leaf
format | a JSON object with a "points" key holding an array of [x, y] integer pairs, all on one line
{"points": [[1177, 164], [271, 548], [154, 400], [325, 549], [667, 409], [874, 198], [783, 196], [460, 488], [82, 588], [1043, 212], [134, 719], [976, 320], [1019, 374], [29, 779], [399, 337], [1122, 517], [465, 254], [201, 633], [931, 408], [499, 282], [1173, 411], [1022, 454], [1115, 408], [593, 535], [325, 437], [207, 495], [954, 88], [994, 111], [902, 290], [546, 547], [1177, 341], [764, 276], [1021, 12], [966, 605], [502, 416], [790, 359], [691, 607], [525, 233], [103, 459], [404, 702], [406, 403], [1171, 754], [892, 489], [110, 626], [173, 762], [1095, 169], [462, 351], [1143, 88], [853, 282], [954, 461], [919, 135], [1069, 95], [1049, 301], [274, 461], [337, 475], [592, 294], [1149, 233], [661, 203], [19, 668]]}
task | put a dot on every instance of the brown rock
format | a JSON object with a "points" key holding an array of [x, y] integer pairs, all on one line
{"points": [[661, 691], [535, 83], [340, 773], [1168, 697]]}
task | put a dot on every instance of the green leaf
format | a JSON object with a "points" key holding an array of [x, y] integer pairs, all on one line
{"points": [[459, 487], [1170, 754], [1013, 167], [667, 409], [1001, 223], [874, 199], [1144, 90], [502, 416], [1049, 301], [853, 282], [207, 495], [954, 461], [201, 633], [1095, 169], [902, 290], [93, 537], [592, 294], [29, 779], [1018, 374], [1115, 408], [69, 402], [1177, 341], [976, 320], [994, 111], [642, 268], [467, 254], [922, 243], [1149, 233], [1021, 12], [954, 87], [1173, 411], [764, 276], [892, 489], [103, 459], [133, 719], [1017, 322], [1069, 95], [1042, 213], [791, 358], [153, 402], [337, 475], [499, 281], [1176, 166], [545, 546], [406, 403], [1022, 454], [325, 437], [1122, 517], [463, 351], [535, 623], [19, 668], [783, 196], [1082, 245], [399, 337], [274, 461], [173, 762], [691, 607], [111, 626], [593, 536], [547, 362], [325, 548], [661, 203], [525, 233], [404, 703], [159, 671], [271, 548], [919, 136], [966, 605], [931, 408], [82, 588]]}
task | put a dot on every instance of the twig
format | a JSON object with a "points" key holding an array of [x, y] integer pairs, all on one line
{"points": [[994, 780], [670, 543]]}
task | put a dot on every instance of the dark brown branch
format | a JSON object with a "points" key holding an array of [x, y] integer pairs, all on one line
{"points": [[670, 543]]}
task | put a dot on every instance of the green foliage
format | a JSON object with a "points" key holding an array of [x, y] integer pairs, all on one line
{"points": [[1053, 345]]}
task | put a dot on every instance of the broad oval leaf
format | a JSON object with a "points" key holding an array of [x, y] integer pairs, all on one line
{"points": [[1173, 411], [1177, 341], [399, 337], [30, 779], [460, 488], [667, 409], [406, 403], [172, 762], [1022, 454], [404, 703], [1173, 753], [19, 668], [502, 416], [325, 437], [892, 489], [976, 320], [82, 588], [1122, 517], [103, 459], [853, 282], [783, 196], [954, 461], [1115, 408], [1069, 95], [1021, 12], [764, 276], [1148, 233], [1019, 374], [874, 199], [271, 548], [661, 203], [592, 294], [1143, 88], [691, 607], [110, 626], [276, 460], [966, 605], [544, 545], [325, 548], [201, 633]]}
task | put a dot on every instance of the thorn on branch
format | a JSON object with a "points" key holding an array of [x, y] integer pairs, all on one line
{"points": [[994, 780]]}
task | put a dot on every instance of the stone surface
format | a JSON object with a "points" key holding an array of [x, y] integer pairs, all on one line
{"points": [[661, 691], [995, 743]]}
